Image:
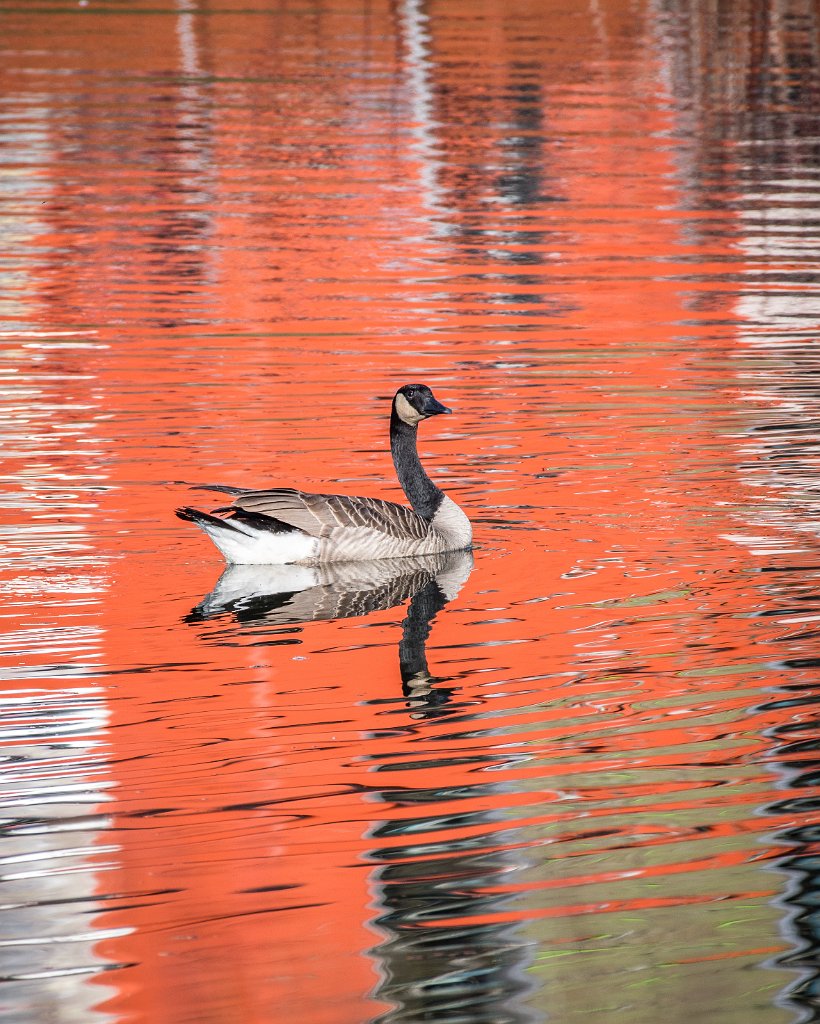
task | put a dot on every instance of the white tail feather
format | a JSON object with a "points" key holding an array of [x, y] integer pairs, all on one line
{"points": [[259, 547]]}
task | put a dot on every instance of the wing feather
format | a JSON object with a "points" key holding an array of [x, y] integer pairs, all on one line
{"points": [[320, 514]]}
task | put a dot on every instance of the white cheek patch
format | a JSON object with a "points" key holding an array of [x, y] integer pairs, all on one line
{"points": [[406, 411]]}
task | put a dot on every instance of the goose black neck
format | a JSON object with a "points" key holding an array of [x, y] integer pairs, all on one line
{"points": [[421, 492]]}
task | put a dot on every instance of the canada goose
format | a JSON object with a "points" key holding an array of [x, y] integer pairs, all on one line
{"points": [[283, 525]]}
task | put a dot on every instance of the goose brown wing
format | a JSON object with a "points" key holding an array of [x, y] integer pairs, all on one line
{"points": [[320, 514]]}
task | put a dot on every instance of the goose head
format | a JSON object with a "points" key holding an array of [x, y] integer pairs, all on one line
{"points": [[416, 402]]}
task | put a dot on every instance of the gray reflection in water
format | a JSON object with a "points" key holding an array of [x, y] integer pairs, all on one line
{"points": [[798, 742], [449, 972], [441, 959], [802, 900]]}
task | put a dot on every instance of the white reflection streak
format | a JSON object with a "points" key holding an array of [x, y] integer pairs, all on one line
{"points": [[188, 52], [196, 164], [784, 362], [53, 783], [777, 235], [26, 333], [418, 71]]}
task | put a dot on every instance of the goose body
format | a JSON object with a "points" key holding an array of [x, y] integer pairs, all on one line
{"points": [[282, 525]]}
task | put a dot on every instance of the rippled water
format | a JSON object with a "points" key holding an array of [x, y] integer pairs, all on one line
{"points": [[577, 775]]}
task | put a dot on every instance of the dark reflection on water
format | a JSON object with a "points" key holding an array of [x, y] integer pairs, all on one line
{"points": [[802, 894], [440, 960], [795, 754], [434, 970]]}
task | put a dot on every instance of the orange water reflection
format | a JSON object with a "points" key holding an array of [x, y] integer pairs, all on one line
{"points": [[235, 230]]}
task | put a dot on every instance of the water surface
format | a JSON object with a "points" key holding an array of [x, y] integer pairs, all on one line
{"points": [[575, 775]]}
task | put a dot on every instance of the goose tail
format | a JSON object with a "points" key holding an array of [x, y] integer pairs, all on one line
{"points": [[205, 521], [249, 540]]}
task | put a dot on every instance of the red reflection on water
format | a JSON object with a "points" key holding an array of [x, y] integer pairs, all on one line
{"points": [[257, 842]]}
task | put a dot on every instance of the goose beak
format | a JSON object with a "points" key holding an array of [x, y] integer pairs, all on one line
{"points": [[432, 407]]}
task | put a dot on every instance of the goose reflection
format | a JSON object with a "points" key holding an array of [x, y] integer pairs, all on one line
{"points": [[285, 595], [442, 955]]}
